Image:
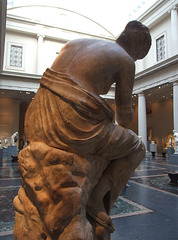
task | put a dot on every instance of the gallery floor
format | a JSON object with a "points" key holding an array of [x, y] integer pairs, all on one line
{"points": [[147, 209]]}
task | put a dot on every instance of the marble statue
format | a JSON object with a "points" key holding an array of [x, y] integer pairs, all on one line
{"points": [[78, 160], [176, 141], [170, 142], [14, 138], [5, 143]]}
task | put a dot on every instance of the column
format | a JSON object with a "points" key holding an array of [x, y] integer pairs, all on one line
{"points": [[3, 9], [174, 30], [175, 105], [40, 54], [142, 122]]}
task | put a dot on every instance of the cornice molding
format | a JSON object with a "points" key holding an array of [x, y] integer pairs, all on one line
{"points": [[157, 12], [157, 67], [5, 75], [19, 82]]}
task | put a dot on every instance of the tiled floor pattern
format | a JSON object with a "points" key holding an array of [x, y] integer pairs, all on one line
{"points": [[147, 209]]}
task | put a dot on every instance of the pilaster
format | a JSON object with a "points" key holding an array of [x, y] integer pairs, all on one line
{"points": [[40, 38], [175, 105], [174, 30]]}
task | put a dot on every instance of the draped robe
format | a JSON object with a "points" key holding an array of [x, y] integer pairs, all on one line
{"points": [[71, 141]]}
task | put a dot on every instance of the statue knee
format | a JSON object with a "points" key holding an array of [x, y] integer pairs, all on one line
{"points": [[139, 153], [142, 149]]}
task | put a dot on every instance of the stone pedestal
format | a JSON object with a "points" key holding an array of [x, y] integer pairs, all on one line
{"points": [[1, 157], [173, 158], [153, 149], [11, 150], [170, 151], [4, 152]]}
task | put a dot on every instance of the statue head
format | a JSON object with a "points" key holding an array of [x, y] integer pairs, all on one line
{"points": [[135, 39]]}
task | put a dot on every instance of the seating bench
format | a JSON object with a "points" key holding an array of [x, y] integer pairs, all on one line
{"points": [[173, 175]]}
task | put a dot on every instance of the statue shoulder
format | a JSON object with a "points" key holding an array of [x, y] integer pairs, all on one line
{"points": [[125, 62], [82, 42]]}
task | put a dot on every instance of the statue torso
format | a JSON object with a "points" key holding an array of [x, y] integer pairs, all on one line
{"points": [[95, 64]]}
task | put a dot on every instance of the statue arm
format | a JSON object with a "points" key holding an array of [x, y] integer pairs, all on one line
{"points": [[123, 95]]}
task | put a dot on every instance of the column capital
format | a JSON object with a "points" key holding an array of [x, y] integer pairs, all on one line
{"points": [[175, 7], [40, 35], [140, 94], [175, 83]]}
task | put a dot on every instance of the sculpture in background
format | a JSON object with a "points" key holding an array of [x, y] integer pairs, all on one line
{"points": [[77, 160], [170, 142], [176, 141], [14, 138], [5, 143]]}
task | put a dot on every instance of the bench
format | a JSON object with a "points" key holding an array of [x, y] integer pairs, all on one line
{"points": [[173, 175], [14, 158]]}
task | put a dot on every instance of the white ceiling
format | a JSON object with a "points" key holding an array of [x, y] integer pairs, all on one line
{"points": [[111, 15]]}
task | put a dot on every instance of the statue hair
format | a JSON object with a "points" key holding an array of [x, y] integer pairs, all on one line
{"points": [[136, 35]]}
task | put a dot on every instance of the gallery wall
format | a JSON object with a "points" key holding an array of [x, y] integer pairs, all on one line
{"points": [[9, 118], [159, 123]]}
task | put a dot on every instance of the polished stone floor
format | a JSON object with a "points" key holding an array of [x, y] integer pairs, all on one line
{"points": [[146, 210]]}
